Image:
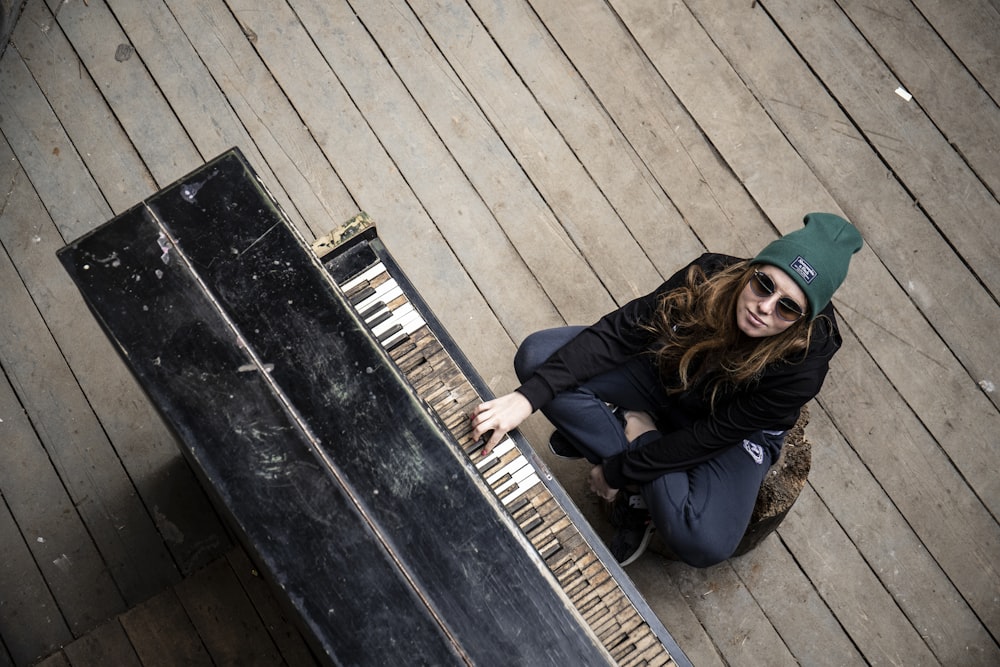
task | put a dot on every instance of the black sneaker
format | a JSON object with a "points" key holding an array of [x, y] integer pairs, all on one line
{"points": [[635, 527], [560, 445]]}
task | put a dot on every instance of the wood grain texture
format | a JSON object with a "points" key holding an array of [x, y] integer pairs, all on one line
{"points": [[529, 163]]}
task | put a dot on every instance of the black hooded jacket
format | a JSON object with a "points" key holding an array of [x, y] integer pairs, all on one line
{"points": [[690, 432]]}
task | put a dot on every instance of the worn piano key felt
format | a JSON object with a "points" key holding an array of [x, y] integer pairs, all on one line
{"points": [[270, 381]]}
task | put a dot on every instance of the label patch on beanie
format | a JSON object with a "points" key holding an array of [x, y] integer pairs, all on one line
{"points": [[804, 269]]}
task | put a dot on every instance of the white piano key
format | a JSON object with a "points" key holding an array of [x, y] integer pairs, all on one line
{"points": [[502, 448], [408, 324], [520, 486], [412, 322], [511, 468], [385, 292], [397, 316]]}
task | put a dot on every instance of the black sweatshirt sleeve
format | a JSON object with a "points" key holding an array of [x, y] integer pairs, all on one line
{"points": [[608, 343]]}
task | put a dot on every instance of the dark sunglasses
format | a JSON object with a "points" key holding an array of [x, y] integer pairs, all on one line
{"points": [[763, 286]]}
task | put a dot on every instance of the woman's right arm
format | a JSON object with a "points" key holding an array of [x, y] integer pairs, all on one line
{"points": [[612, 340]]}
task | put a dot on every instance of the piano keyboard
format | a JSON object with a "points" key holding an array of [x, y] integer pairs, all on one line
{"points": [[384, 305]]}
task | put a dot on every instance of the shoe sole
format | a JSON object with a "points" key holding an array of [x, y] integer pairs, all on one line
{"points": [[639, 550]]}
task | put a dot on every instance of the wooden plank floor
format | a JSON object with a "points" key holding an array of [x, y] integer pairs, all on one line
{"points": [[530, 163]]}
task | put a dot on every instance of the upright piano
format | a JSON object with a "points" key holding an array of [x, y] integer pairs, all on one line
{"points": [[325, 410]]}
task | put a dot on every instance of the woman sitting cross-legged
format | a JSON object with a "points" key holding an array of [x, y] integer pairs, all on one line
{"points": [[681, 398]]}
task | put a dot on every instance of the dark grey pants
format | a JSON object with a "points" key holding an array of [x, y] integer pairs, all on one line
{"points": [[700, 513]]}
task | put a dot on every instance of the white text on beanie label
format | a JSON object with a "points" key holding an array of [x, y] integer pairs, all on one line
{"points": [[802, 267]]}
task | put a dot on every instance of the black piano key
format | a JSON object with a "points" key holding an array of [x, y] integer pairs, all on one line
{"points": [[361, 295], [530, 527], [379, 319], [373, 310], [492, 464], [550, 550], [390, 332], [393, 343], [517, 506]]}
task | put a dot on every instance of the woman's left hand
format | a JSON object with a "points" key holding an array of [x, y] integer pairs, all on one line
{"points": [[599, 485]]}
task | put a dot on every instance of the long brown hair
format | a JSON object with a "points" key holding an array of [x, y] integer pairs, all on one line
{"points": [[697, 336]]}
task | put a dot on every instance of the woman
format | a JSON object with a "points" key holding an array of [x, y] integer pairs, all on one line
{"points": [[681, 399]]}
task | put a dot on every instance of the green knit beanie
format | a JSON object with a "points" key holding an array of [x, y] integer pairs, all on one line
{"points": [[816, 256]]}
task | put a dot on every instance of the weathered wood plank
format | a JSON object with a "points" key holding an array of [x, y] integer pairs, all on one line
{"points": [[581, 208], [126, 84], [55, 660], [411, 142], [799, 614], [45, 152], [33, 491], [702, 187], [849, 586], [284, 142], [971, 30], [162, 634], [940, 83], [902, 134], [894, 552], [74, 440], [285, 635], [27, 602], [951, 522], [485, 160], [193, 94], [88, 121], [599, 145], [225, 618], [106, 645], [377, 185], [739, 628], [73, 569]]}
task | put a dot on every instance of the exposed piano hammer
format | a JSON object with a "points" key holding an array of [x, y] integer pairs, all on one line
{"points": [[321, 406]]}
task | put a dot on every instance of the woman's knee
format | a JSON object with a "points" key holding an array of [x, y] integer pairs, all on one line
{"points": [[536, 349], [526, 360]]}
